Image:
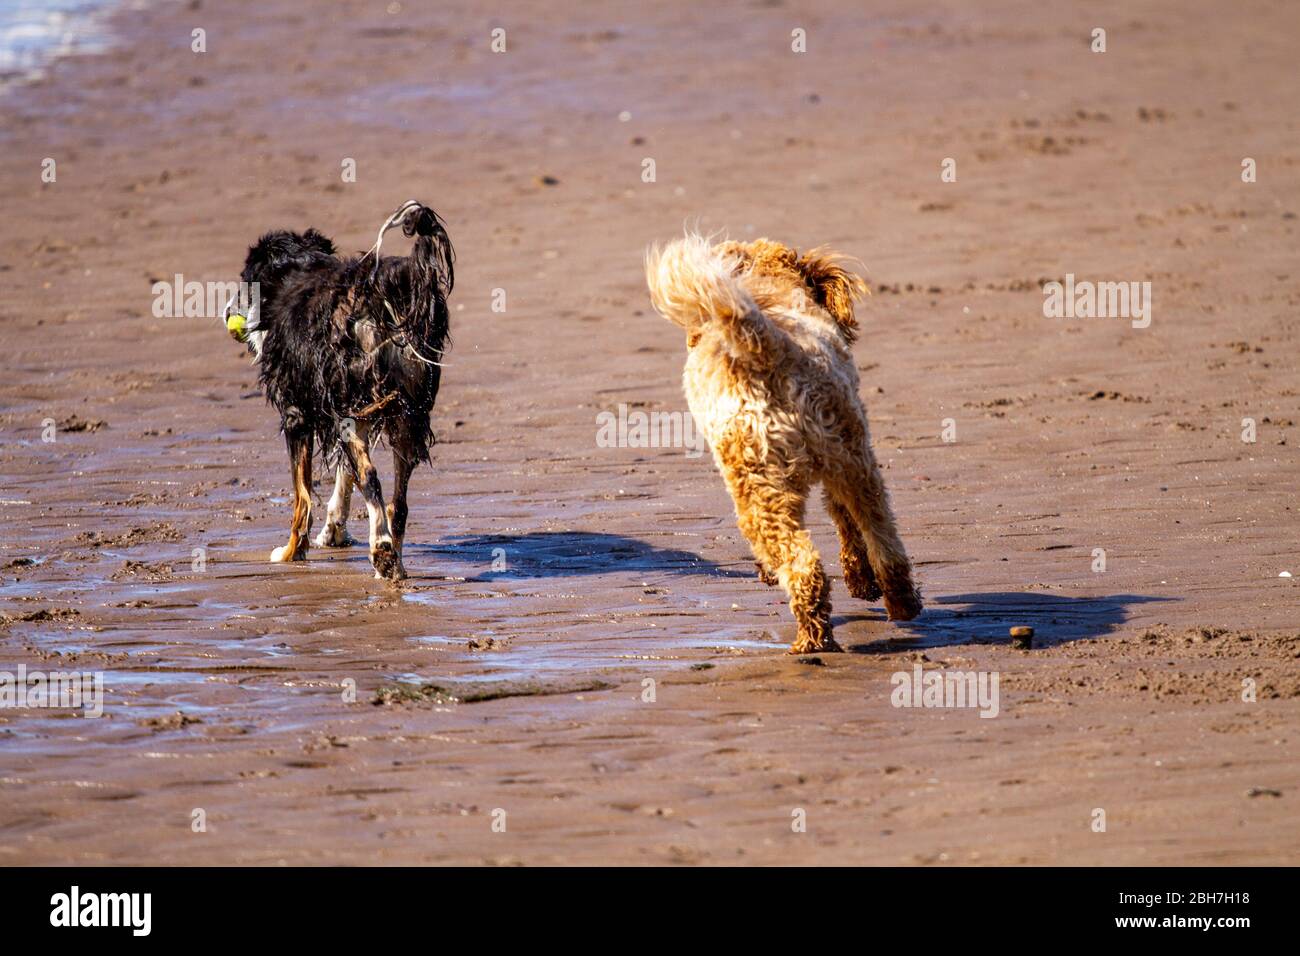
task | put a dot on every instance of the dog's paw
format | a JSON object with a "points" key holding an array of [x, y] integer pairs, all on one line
{"points": [[334, 536], [282, 553], [903, 606], [387, 562], [809, 645], [813, 634], [862, 584], [767, 577]]}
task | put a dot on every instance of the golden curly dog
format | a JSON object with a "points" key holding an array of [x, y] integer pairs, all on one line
{"points": [[771, 383]]}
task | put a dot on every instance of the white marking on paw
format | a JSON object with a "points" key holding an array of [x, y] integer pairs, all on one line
{"points": [[333, 536]]}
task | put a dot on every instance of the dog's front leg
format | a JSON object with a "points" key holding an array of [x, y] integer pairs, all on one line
{"points": [[335, 533], [855, 560], [869, 505], [382, 554]]}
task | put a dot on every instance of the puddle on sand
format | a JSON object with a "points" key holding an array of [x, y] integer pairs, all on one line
{"points": [[529, 628], [113, 588], [133, 702]]}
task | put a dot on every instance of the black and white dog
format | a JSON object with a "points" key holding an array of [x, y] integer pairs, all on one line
{"points": [[349, 351]]}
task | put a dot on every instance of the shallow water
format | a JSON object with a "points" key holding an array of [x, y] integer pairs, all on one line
{"points": [[34, 32]]}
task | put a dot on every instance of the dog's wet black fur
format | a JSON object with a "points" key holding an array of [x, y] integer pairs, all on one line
{"points": [[350, 352]]}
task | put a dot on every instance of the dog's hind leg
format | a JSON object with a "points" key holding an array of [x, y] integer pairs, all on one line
{"points": [[404, 463], [300, 445], [335, 533], [770, 515], [382, 554], [863, 491], [854, 560]]}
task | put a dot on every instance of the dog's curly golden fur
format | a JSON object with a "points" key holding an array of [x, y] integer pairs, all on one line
{"points": [[771, 382]]}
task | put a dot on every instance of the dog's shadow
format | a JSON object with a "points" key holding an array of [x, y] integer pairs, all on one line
{"points": [[562, 554], [987, 619], [947, 620]]}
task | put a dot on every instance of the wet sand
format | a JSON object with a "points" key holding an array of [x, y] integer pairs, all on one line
{"points": [[227, 687]]}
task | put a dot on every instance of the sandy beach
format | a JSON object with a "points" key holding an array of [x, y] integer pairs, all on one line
{"points": [[582, 667]]}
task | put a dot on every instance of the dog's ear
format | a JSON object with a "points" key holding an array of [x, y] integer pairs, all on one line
{"points": [[280, 249], [317, 242], [261, 255], [833, 287]]}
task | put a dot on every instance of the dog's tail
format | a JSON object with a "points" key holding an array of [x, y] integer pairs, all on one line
{"points": [[433, 253], [693, 284], [433, 247]]}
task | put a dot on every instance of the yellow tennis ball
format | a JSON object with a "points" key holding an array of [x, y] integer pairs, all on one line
{"points": [[235, 326]]}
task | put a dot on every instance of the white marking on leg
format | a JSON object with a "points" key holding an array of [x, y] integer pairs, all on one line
{"points": [[380, 536], [379, 532], [335, 533]]}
